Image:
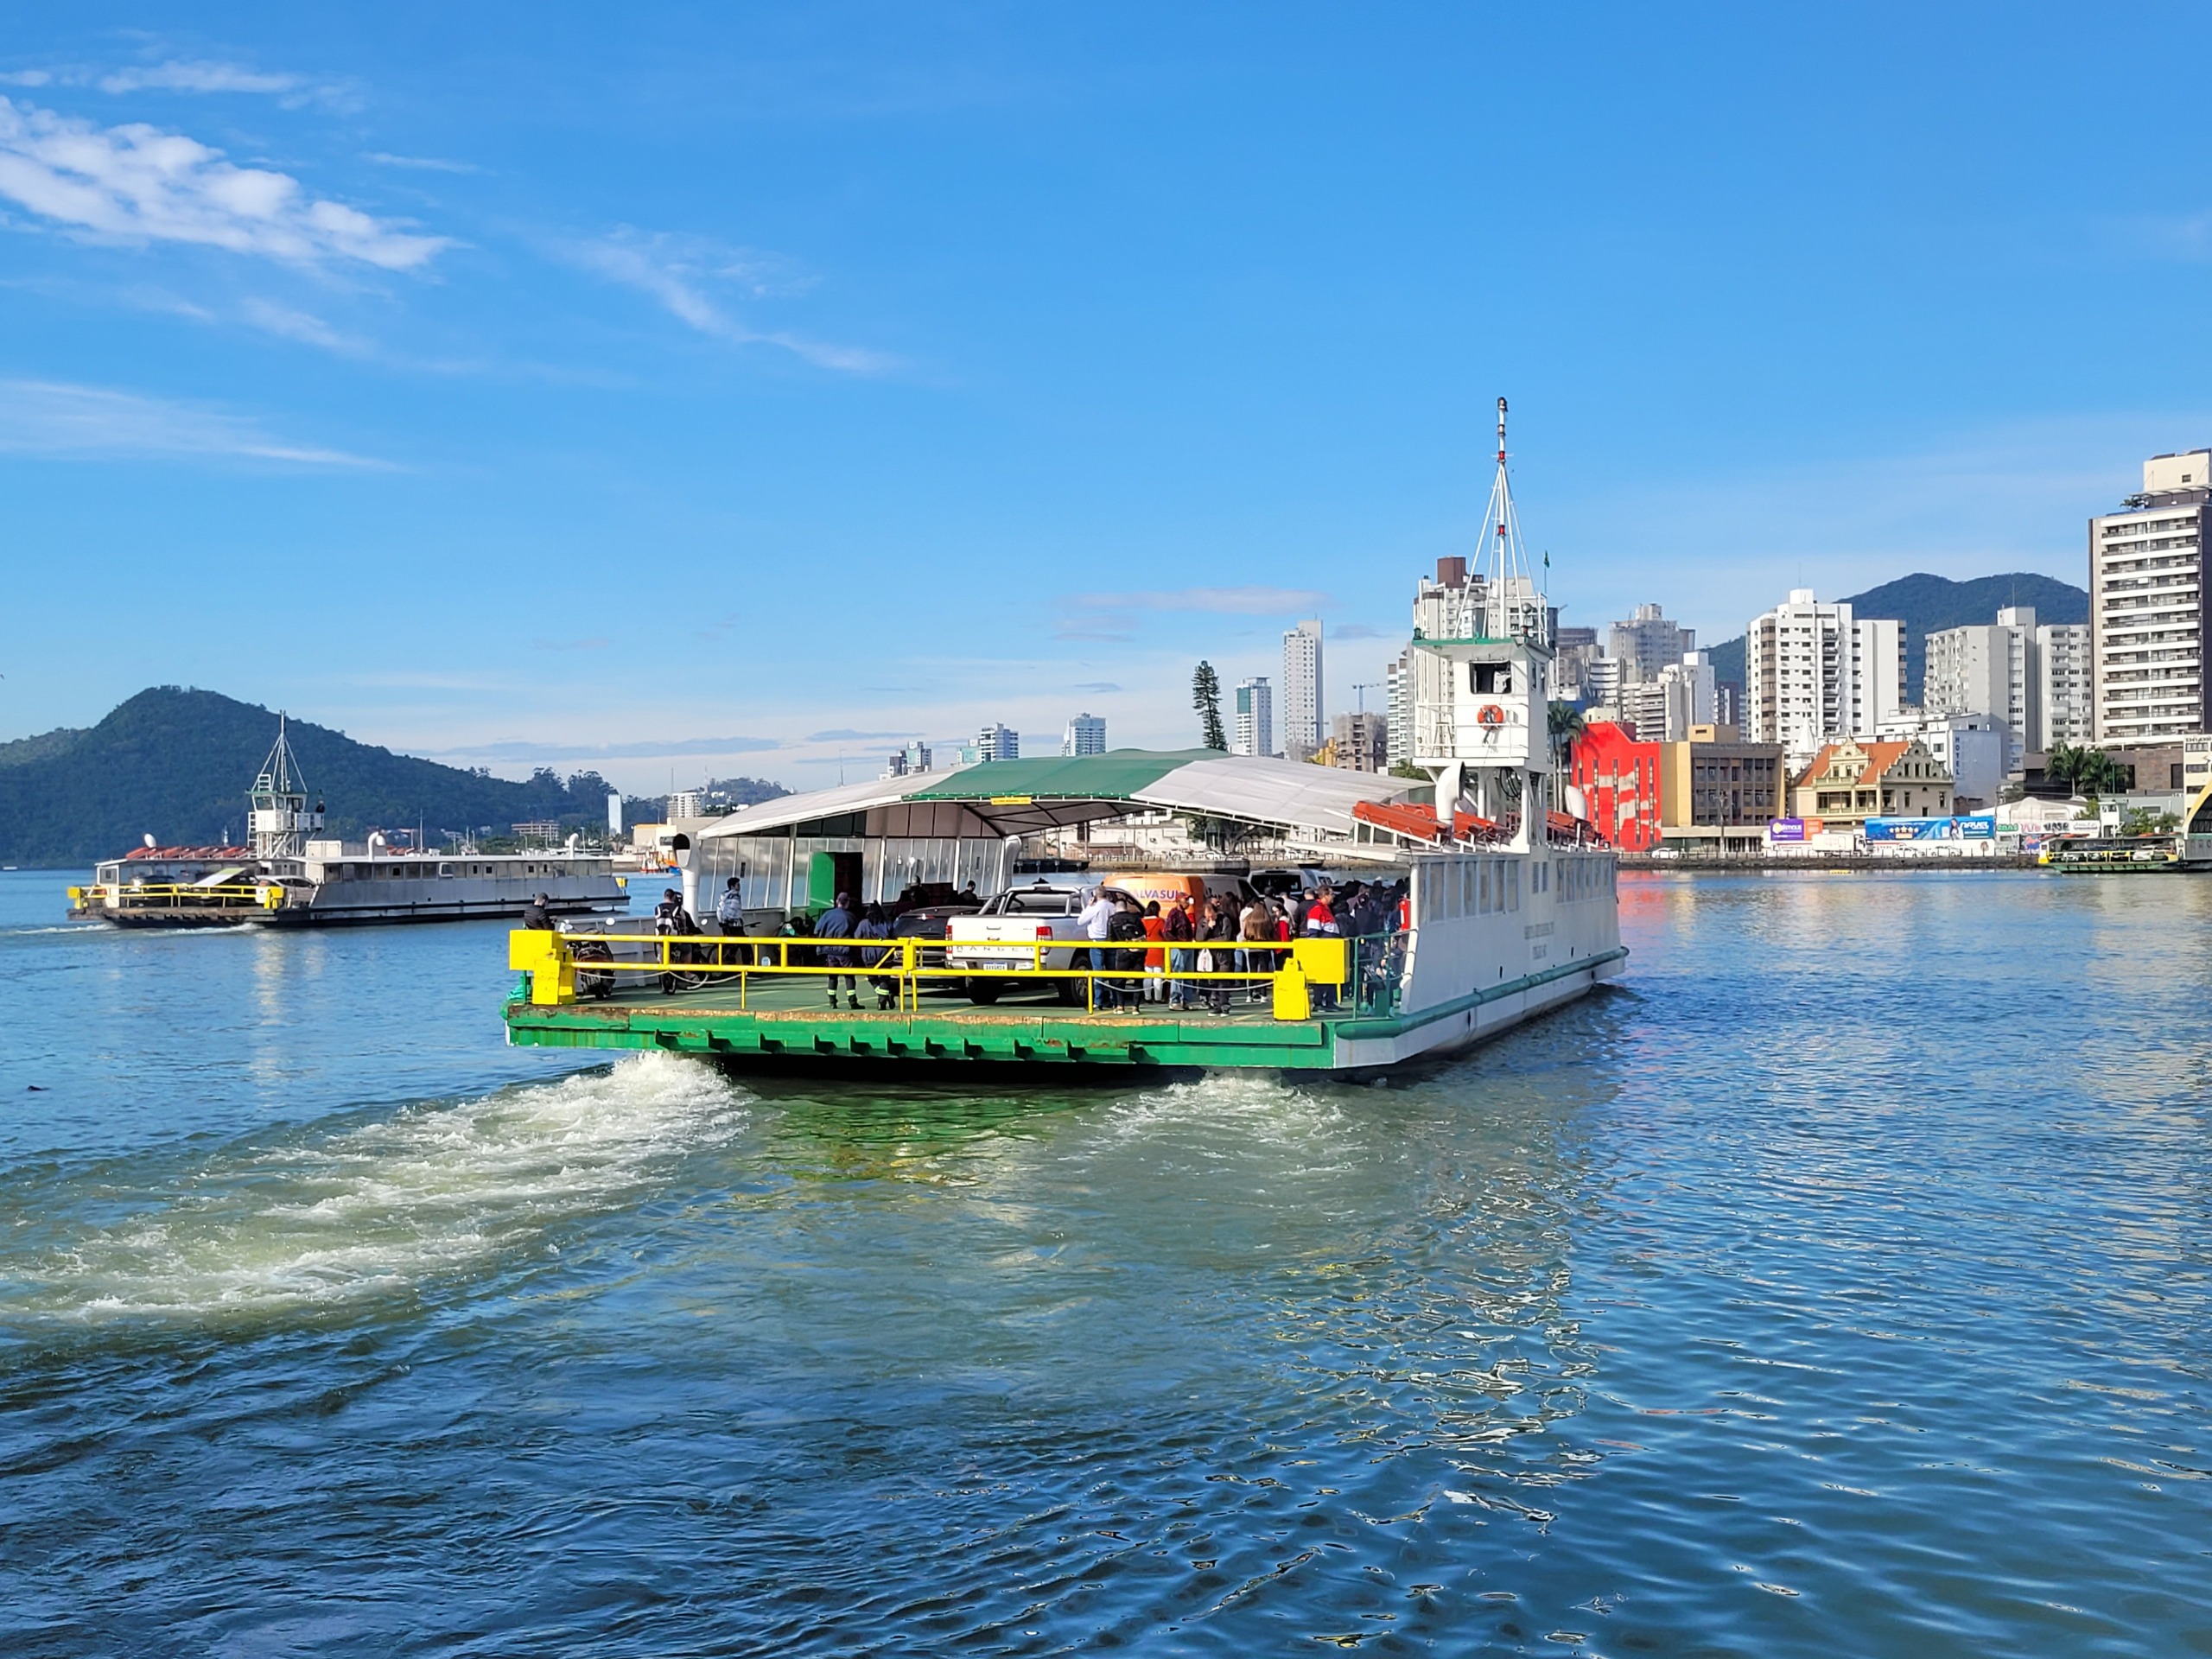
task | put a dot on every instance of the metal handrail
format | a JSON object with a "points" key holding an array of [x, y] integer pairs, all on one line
{"points": [[898, 959]]}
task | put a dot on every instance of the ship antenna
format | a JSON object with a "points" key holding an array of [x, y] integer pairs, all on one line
{"points": [[1513, 604]]}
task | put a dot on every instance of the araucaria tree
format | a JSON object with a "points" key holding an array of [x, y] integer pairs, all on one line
{"points": [[1205, 697]]}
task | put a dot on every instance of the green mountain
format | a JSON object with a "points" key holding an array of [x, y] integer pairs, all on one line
{"points": [[1928, 604], [177, 765]]}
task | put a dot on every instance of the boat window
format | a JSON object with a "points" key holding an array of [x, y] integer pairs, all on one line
{"points": [[445, 869], [1513, 886], [1482, 889]]}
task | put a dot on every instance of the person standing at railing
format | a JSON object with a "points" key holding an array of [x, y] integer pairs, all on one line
{"points": [[672, 921], [1219, 932], [836, 923], [1256, 926], [875, 925], [1155, 958], [534, 915], [1175, 928], [1321, 924], [1097, 922], [729, 918]]}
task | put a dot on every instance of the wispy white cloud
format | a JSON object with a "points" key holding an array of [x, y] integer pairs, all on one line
{"points": [[200, 75], [1358, 631], [137, 183], [421, 164], [27, 78], [681, 273], [304, 327], [63, 422]]}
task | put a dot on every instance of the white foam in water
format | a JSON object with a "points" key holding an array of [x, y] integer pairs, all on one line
{"points": [[382, 1208]]}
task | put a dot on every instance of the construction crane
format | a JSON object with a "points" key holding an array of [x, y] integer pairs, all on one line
{"points": [[1362, 690]]}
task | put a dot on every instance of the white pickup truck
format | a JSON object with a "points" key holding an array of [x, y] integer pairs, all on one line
{"points": [[1005, 932]]}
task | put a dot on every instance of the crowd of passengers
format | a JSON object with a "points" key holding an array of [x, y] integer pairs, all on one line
{"points": [[1221, 934]]}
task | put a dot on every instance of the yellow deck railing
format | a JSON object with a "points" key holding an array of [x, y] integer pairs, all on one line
{"points": [[551, 961], [174, 895]]}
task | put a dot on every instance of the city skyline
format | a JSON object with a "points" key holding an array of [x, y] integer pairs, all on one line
{"points": [[615, 356]]}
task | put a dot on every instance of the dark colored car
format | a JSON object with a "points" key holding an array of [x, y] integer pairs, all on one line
{"points": [[928, 922]]}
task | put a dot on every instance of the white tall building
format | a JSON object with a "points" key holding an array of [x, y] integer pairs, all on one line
{"points": [[1255, 717], [1086, 734], [1648, 642], [998, 743], [1989, 668], [683, 804], [1301, 689], [1398, 678], [2147, 614], [1815, 672], [1677, 696], [2064, 696]]}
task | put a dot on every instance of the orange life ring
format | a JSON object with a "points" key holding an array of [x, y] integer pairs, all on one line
{"points": [[1491, 714]]}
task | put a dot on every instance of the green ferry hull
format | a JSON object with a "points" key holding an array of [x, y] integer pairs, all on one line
{"points": [[1046, 1035]]}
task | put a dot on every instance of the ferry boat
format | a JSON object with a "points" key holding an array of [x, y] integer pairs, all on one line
{"points": [[289, 878], [1504, 907]]}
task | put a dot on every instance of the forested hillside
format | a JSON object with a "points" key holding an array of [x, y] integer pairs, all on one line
{"points": [[177, 765]]}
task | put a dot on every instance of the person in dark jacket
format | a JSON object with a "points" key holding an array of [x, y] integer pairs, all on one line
{"points": [[836, 923], [1181, 959], [536, 915], [875, 925]]}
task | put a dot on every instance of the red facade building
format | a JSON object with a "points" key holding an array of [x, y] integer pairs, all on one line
{"points": [[1619, 780]]}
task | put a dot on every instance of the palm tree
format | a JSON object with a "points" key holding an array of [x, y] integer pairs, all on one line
{"points": [[1567, 725]]}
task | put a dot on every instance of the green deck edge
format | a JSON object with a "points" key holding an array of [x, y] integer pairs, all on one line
{"points": [[1046, 1035]]}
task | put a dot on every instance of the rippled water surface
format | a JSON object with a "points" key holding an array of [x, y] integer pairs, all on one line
{"points": [[1837, 1285]]}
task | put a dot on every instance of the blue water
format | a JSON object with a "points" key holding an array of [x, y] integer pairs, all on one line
{"points": [[1835, 1286]]}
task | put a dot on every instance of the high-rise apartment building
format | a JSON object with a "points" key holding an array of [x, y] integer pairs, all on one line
{"points": [[1301, 689], [683, 804], [1398, 678], [1255, 717], [2150, 630], [1086, 734], [1664, 707], [1812, 672], [998, 743], [1451, 607], [1997, 670], [1648, 642], [2064, 697]]}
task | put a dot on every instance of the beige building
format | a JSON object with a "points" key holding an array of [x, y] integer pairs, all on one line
{"points": [[1717, 792], [1850, 782]]}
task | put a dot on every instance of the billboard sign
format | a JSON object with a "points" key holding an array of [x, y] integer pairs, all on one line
{"points": [[1786, 830], [1979, 827]]}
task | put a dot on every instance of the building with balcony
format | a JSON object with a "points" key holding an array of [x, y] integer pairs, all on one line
{"points": [[1086, 734], [2147, 616]]}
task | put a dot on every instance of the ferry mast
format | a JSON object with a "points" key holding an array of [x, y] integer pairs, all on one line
{"points": [[1513, 607], [280, 817]]}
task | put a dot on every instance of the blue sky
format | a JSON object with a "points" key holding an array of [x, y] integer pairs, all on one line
{"points": [[746, 388]]}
